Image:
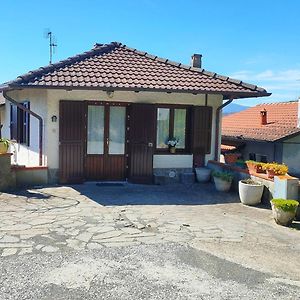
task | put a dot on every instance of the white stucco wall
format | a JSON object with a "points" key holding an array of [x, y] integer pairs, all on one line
{"points": [[46, 103], [22, 154], [291, 155]]}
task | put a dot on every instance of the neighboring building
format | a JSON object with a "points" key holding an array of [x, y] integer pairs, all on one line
{"points": [[106, 114], [267, 133]]}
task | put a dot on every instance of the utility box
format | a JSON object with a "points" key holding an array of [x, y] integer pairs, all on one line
{"points": [[286, 187]]}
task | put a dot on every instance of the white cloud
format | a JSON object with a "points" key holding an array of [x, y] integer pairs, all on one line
{"points": [[284, 85], [268, 75]]}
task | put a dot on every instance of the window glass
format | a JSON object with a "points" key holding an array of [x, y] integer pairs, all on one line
{"points": [[179, 127], [95, 130], [163, 123], [117, 130]]}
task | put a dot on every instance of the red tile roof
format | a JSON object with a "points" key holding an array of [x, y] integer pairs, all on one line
{"points": [[281, 122], [116, 66]]}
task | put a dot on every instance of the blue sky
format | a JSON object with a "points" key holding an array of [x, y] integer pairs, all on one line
{"points": [[255, 41]]}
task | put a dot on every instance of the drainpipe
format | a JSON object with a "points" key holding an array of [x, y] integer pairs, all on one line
{"points": [[19, 105], [218, 112]]}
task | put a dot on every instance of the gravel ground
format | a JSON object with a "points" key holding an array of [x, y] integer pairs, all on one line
{"points": [[162, 271]]}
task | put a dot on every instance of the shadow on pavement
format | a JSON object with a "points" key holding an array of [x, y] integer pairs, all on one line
{"points": [[137, 194]]}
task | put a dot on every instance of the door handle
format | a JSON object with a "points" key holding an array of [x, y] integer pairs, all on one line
{"points": [[107, 141], [150, 145]]}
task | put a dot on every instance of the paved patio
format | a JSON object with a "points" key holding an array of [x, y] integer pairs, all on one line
{"points": [[62, 220]]}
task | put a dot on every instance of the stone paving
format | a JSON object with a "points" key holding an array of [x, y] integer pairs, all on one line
{"points": [[53, 219]]}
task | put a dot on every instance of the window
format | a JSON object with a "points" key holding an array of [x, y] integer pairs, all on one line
{"points": [[95, 130], [171, 123], [20, 124]]}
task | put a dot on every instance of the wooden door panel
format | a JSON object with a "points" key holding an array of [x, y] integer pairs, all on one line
{"points": [[94, 167], [115, 167], [71, 138], [142, 137]]}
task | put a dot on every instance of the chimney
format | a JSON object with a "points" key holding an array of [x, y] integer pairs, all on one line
{"points": [[196, 61], [263, 116]]}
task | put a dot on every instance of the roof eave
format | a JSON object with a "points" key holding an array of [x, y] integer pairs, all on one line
{"points": [[226, 94], [238, 138]]}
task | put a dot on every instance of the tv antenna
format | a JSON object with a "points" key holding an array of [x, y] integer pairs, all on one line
{"points": [[52, 43]]}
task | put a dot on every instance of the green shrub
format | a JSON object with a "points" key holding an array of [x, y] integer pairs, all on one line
{"points": [[226, 176], [285, 205]]}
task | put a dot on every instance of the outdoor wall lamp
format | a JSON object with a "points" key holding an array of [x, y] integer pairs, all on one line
{"points": [[54, 119], [110, 94]]}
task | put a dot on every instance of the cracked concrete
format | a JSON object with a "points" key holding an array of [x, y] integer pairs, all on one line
{"points": [[87, 217]]}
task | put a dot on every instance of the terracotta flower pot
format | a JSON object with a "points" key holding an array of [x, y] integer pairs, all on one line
{"points": [[231, 158], [254, 168], [172, 150], [271, 174]]}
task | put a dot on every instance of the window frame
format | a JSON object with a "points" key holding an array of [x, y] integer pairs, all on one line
{"points": [[172, 107], [20, 124]]}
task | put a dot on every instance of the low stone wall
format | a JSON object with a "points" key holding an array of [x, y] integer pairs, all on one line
{"points": [[7, 178], [269, 191], [12, 177], [30, 176]]}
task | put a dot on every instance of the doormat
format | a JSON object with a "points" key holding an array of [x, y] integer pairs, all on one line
{"points": [[109, 184]]}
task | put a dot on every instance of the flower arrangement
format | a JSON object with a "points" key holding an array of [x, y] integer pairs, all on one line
{"points": [[172, 142], [255, 166], [275, 169]]}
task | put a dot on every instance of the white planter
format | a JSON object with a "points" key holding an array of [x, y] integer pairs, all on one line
{"points": [[203, 174], [282, 217], [250, 194], [222, 185]]}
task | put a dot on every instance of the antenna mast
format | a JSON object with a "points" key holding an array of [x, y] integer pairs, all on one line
{"points": [[52, 45]]}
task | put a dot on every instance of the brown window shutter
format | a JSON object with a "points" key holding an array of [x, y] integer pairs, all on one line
{"points": [[201, 129]]}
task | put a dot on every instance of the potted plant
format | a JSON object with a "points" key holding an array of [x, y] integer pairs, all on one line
{"points": [[172, 142], [222, 180], [4, 144], [255, 166], [274, 169], [284, 211], [231, 158], [250, 191], [203, 174]]}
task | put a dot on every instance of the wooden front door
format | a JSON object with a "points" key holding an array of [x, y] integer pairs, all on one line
{"points": [[105, 157], [71, 141], [141, 142]]}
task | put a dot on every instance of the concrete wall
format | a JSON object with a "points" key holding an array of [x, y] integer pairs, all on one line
{"points": [[46, 103], [291, 155], [172, 161]]}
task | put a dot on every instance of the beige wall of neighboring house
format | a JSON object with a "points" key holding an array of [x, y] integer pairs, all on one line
{"points": [[291, 154], [46, 104]]}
